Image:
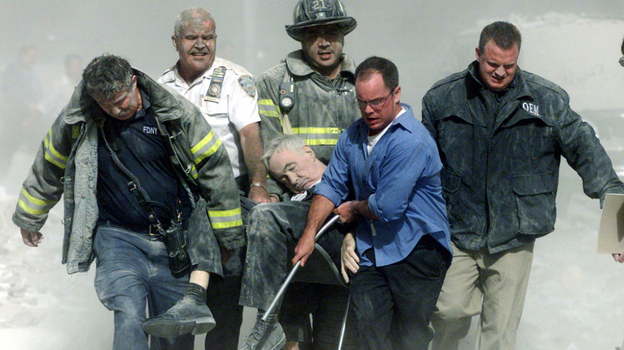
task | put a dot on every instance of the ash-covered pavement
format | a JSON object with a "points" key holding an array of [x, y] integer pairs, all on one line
{"points": [[575, 298]]}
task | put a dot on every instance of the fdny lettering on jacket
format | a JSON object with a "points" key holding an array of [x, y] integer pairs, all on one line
{"points": [[151, 130]]}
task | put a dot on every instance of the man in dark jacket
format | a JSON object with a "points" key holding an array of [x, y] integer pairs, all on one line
{"points": [[501, 133]]}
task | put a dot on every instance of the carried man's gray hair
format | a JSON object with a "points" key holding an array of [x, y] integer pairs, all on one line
{"points": [[282, 143]]}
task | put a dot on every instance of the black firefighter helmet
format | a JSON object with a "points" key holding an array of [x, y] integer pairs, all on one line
{"points": [[312, 13]]}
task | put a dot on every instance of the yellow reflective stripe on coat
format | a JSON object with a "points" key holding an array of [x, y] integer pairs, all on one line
{"points": [[316, 136], [192, 171], [51, 154], [220, 219], [268, 109], [206, 147], [32, 205]]}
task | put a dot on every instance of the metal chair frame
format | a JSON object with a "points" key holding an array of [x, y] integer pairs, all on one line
{"points": [[315, 271]]}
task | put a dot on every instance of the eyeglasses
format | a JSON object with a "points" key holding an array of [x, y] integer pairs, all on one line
{"points": [[375, 104], [622, 61]]}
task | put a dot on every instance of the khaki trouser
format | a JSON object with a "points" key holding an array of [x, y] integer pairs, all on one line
{"points": [[490, 285]]}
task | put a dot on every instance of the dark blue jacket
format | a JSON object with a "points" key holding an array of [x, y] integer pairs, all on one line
{"points": [[501, 159]]}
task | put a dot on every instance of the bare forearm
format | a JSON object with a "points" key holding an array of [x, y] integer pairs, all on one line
{"points": [[251, 143], [319, 210], [317, 214]]}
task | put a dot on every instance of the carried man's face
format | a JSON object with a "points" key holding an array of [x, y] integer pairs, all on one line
{"points": [[297, 171]]}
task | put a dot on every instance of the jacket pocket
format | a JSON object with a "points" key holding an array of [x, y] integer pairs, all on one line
{"points": [[535, 200], [450, 181]]}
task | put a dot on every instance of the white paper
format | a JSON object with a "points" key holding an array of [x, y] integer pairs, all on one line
{"points": [[611, 233]]}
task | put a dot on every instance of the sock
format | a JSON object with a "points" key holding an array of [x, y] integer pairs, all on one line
{"points": [[195, 293]]}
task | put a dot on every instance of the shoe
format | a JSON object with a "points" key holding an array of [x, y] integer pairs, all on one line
{"points": [[183, 318], [265, 336]]}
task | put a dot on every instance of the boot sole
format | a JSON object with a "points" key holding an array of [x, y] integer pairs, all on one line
{"points": [[173, 328], [280, 344]]}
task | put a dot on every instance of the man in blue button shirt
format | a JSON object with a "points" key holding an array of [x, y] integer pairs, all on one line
{"points": [[388, 163]]}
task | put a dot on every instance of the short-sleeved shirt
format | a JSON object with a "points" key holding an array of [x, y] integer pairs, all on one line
{"points": [[235, 107]]}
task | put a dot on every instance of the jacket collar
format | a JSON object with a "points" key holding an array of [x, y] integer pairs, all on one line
{"points": [[518, 89], [405, 120], [298, 66], [172, 75], [83, 107]]}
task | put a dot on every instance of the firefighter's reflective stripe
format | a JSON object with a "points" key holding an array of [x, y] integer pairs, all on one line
{"points": [[319, 136], [222, 219], [32, 205], [267, 108], [51, 154], [202, 150], [206, 147]]}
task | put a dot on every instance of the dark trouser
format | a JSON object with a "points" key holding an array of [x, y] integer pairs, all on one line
{"points": [[222, 300], [271, 227], [327, 305], [223, 295], [393, 304], [132, 273]]}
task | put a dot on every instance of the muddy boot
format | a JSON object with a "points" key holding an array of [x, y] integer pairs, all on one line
{"points": [[265, 335], [189, 315]]}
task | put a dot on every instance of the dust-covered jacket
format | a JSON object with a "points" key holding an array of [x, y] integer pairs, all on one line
{"points": [[67, 164], [501, 159], [322, 109]]}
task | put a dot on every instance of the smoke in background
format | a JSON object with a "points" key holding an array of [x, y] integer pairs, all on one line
{"points": [[427, 39], [574, 296]]}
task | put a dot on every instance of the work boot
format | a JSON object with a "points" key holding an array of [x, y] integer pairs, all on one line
{"points": [[189, 315], [265, 335]]}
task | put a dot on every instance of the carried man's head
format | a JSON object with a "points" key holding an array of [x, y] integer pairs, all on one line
{"points": [[378, 92], [195, 39], [497, 54], [320, 26], [111, 82], [292, 162]]}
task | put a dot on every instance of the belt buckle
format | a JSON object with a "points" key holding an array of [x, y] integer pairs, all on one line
{"points": [[152, 231]]}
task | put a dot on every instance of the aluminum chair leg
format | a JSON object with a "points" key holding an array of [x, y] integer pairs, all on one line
{"points": [[290, 276], [344, 323]]}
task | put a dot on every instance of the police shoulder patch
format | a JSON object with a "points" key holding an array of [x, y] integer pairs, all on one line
{"points": [[247, 83]]}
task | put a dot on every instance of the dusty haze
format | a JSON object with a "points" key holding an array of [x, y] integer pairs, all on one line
{"points": [[575, 298]]}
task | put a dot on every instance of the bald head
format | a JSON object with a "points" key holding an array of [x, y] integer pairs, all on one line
{"points": [[192, 16]]}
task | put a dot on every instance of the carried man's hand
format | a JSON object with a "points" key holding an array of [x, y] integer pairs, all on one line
{"points": [[260, 195], [348, 257], [30, 238]]}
